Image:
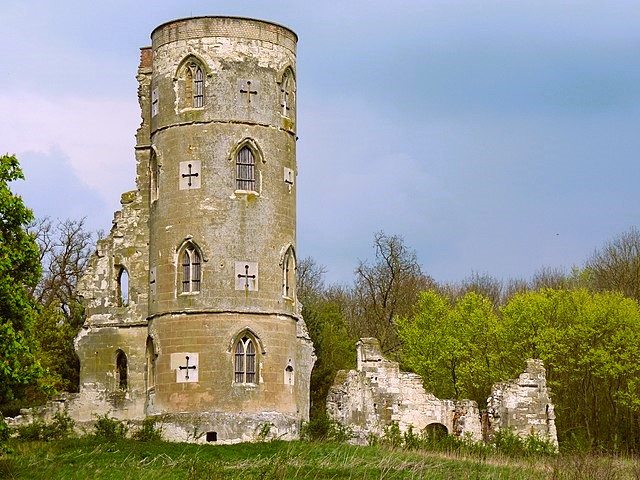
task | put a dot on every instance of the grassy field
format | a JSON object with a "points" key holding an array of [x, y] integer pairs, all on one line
{"points": [[91, 458]]}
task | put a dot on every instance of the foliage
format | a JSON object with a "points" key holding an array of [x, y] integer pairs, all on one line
{"points": [[148, 432], [323, 311], [590, 343], [5, 430], [109, 428], [19, 272], [60, 427], [454, 347], [321, 428], [65, 248]]}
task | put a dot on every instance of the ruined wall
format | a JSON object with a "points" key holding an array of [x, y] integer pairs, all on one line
{"points": [[523, 405], [377, 393]]}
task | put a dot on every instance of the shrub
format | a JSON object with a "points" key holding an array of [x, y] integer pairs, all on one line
{"points": [[321, 427], [60, 427], [5, 430], [392, 436], [109, 428], [148, 432]]}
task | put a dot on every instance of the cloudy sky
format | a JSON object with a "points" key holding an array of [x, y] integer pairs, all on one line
{"points": [[495, 136]]}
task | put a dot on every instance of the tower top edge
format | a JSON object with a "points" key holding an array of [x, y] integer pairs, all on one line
{"points": [[221, 19]]}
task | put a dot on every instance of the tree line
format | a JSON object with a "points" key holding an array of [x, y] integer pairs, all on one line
{"points": [[460, 337], [463, 337]]}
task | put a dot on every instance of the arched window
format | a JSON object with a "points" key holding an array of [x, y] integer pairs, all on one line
{"points": [[289, 273], [151, 364], [287, 94], [191, 261], [123, 287], [245, 170], [198, 86], [190, 78], [245, 361], [121, 370]]}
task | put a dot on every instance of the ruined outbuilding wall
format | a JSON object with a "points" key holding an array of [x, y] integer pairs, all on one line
{"points": [[523, 405], [378, 394]]}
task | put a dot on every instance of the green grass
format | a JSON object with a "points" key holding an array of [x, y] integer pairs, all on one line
{"points": [[91, 458]]}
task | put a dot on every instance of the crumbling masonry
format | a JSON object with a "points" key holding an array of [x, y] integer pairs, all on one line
{"points": [[377, 393]]}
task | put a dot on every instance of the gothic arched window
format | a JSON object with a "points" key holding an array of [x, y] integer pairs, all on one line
{"points": [[121, 370], [191, 261], [289, 273], [190, 78], [122, 287], [245, 170], [245, 361], [198, 85], [287, 94]]}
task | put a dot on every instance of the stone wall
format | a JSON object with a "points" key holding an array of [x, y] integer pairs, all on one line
{"points": [[377, 394], [523, 405]]}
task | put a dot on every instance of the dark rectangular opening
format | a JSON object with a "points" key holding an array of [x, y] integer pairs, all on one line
{"points": [[212, 436]]}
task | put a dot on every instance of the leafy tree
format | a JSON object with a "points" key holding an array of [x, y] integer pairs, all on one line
{"points": [[19, 272], [590, 343], [452, 346], [323, 311]]}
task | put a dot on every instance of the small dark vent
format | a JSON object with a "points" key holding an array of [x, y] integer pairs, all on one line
{"points": [[212, 436]]}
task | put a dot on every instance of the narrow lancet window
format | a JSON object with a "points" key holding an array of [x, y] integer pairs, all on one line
{"points": [[289, 274], [123, 287], [198, 86], [121, 370], [191, 269]]}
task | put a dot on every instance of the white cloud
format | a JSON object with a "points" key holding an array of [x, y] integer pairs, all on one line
{"points": [[94, 134]]}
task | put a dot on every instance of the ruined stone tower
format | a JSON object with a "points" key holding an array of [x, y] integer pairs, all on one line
{"points": [[191, 300]]}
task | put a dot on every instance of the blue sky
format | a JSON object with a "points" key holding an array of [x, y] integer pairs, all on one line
{"points": [[495, 136]]}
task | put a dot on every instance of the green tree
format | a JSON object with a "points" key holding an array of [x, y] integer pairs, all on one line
{"points": [[323, 311], [453, 346], [19, 273], [65, 248], [590, 343]]}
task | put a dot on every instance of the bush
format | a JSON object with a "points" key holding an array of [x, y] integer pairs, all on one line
{"points": [[148, 432], [507, 442], [60, 427], [392, 436], [5, 430], [321, 427], [109, 428]]}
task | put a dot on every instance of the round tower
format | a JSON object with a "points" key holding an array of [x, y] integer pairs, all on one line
{"points": [[227, 351]]}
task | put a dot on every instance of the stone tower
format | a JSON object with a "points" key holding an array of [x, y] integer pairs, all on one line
{"points": [[191, 300]]}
